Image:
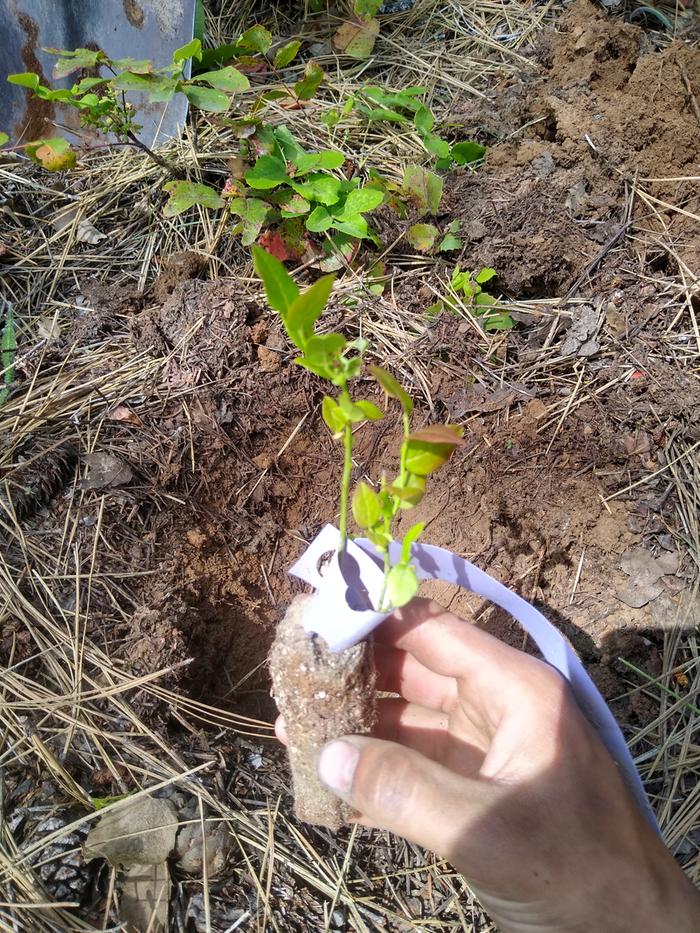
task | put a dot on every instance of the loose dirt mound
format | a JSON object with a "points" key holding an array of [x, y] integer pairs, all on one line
{"points": [[600, 113]]}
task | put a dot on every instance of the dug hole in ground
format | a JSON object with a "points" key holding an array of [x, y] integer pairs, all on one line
{"points": [[164, 463]]}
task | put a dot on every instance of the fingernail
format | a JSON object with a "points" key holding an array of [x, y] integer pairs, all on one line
{"points": [[336, 766]]}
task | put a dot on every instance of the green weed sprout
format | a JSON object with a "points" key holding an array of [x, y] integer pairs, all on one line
{"points": [[340, 361]]}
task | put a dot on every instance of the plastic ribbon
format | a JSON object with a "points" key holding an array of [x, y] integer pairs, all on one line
{"points": [[343, 614]]}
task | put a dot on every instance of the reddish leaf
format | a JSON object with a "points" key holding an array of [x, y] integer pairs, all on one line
{"points": [[439, 434], [282, 246]]}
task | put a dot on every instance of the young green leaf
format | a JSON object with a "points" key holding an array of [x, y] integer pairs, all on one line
{"points": [[319, 220], [226, 79], [422, 237], [24, 79], [280, 288], [287, 53], [185, 194], [322, 188], [370, 411], [408, 491], [401, 585], [4, 138], [306, 309], [392, 387], [192, 49], [438, 146], [306, 87], [411, 536], [206, 98], [332, 415], [359, 201], [355, 226], [428, 449], [268, 172], [485, 275], [466, 152], [326, 159], [366, 507], [450, 241], [423, 119]]}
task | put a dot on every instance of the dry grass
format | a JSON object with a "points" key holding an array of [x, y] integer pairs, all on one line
{"points": [[68, 705]]}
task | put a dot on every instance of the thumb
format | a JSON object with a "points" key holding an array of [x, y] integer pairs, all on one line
{"points": [[397, 788]]}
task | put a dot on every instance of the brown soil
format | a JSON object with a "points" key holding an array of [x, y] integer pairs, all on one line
{"points": [[601, 113]]}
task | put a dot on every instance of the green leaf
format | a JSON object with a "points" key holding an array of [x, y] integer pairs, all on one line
{"points": [[367, 8], [185, 194], [392, 387], [323, 188], [192, 49], [280, 288], [355, 226], [361, 200], [307, 86], [268, 172], [366, 507], [438, 146], [485, 275], [376, 114], [25, 79], [321, 354], [332, 415], [8, 352], [449, 242], [319, 220], [206, 98], [401, 585], [463, 153], [253, 213], [500, 321], [255, 39], [426, 450], [352, 412], [411, 536], [287, 53], [306, 309], [3, 138], [423, 186], [423, 120], [370, 411], [54, 154], [422, 237], [326, 159], [226, 79], [409, 492], [86, 84]]}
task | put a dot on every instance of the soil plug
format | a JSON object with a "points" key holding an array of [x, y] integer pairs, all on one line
{"points": [[322, 695]]}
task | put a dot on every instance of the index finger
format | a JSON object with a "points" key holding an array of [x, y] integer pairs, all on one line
{"points": [[489, 673]]}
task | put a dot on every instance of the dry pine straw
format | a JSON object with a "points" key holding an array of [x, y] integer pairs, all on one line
{"points": [[65, 692]]}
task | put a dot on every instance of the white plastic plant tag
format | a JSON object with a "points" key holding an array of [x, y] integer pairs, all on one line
{"points": [[343, 614]]}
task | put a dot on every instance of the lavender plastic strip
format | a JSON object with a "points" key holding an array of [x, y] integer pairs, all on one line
{"points": [[343, 615]]}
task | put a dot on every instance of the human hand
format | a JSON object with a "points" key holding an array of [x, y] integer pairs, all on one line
{"points": [[486, 759]]}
